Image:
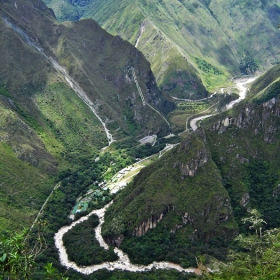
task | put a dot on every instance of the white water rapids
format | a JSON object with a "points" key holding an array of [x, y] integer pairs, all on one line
{"points": [[242, 91], [122, 264]]}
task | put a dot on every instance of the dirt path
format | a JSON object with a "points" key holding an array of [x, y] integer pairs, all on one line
{"points": [[143, 99]]}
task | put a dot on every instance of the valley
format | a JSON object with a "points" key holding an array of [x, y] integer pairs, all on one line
{"points": [[124, 262], [139, 139], [242, 94], [193, 47]]}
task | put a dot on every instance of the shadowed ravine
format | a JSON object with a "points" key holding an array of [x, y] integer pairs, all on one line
{"points": [[60, 69], [123, 263]]}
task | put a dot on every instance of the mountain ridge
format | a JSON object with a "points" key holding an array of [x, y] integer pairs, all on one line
{"points": [[198, 192], [188, 41], [46, 127]]}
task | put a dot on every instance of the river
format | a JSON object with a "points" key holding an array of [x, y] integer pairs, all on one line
{"points": [[240, 84], [123, 263]]}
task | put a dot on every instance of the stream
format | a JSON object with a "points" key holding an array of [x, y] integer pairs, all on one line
{"points": [[123, 263], [242, 91]]}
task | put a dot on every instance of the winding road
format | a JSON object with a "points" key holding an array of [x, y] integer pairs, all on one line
{"points": [[143, 98], [240, 84], [123, 263]]}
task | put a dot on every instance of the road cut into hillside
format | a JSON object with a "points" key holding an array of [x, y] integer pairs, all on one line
{"points": [[240, 84]]}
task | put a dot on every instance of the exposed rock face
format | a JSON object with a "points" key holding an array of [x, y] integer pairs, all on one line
{"points": [[116, 242], [151, 222], [190, 164], [259, 118], [245, 200], [189, 169]]}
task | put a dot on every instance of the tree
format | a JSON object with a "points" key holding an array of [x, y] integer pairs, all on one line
{"points": [[17, 258], [259, 257], [18, 255]]}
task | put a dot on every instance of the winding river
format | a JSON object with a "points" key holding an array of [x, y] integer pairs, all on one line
{"points": [[240, 84], [123, 263]]}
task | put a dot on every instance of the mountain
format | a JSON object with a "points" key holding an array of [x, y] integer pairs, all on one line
{"points": [[69, 89], [193, 198], [189, 41], [66, 90]]}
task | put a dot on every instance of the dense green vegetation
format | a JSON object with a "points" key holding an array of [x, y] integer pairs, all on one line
{"points": [[44, 126], [246, 160], [258, 256], [153, 198], [207, 67], [248, 65], [270, 92], [263, 191], [193, 199], [82, 246], [192, 107], [160, 244], [227, 37], [4, 91]]}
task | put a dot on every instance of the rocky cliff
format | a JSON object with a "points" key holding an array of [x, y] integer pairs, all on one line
{"points": [[201, 189]]}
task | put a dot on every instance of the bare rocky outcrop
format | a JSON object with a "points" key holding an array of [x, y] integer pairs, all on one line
{"points": [[254, 118], [151, 222], [189, 168], [245, 199], [196, 155]]}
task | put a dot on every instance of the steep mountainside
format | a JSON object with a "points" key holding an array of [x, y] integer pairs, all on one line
{"points": [[199, 191], [188, 40], [61, 87]]}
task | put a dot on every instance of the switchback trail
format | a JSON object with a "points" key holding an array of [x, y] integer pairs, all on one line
{"points": [[43, 206], [143, 98]]}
